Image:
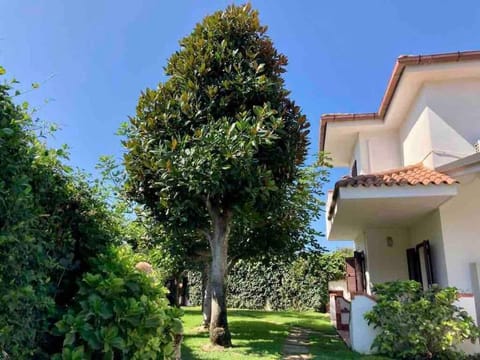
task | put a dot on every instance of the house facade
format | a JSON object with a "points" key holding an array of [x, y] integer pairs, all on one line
{"points": [[411, 201]]}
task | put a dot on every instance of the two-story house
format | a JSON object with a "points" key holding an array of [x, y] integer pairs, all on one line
{"points": [[412, 201]]}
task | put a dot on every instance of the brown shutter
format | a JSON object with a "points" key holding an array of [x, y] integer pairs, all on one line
{"points": [[360, 270], [351, 275], [427, 254], [413, 261], [356, 272], [415, 265]]}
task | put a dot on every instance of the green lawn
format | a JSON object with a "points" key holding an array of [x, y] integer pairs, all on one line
{"points": [[260, 335]]}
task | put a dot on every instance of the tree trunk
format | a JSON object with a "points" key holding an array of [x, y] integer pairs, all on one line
{"points": [[207, 296], [219, 333]]}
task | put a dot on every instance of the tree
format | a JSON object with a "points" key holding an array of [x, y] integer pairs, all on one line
{"points": [[220, 138]]}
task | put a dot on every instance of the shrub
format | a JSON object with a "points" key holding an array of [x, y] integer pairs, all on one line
{"points": [[51, 224], [119, 313], [418, 324], [301, 284]]}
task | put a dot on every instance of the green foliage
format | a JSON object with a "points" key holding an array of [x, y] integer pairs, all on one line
{"points": [[54, 222], [414, 323], [165, 249], [301, 284], [219, 139], [220, 128], [291, 220], [120, 313], [51, 224]]}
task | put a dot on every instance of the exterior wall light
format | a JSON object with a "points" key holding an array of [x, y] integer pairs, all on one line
{"points": [[389, 241]]}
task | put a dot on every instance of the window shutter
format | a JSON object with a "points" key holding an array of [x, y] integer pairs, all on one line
{"points": [[414, 272]]}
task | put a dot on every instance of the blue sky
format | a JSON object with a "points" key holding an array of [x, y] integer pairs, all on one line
{"points": [[94, 57]]}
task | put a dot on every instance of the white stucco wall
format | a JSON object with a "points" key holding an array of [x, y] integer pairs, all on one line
{"points": [[377, 151], [361, 334], [361, 245], [442, 124], [339, 285], [454, 118], [362, 165], [414, 134], [383, 149], [387, 263], [429, 228], [460, 217]]}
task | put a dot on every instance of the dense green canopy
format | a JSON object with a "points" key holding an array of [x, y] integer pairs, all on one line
{"points": [[220, 140]]}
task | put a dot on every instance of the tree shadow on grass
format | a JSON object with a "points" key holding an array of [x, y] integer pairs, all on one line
{"points": [[250, 337], [260, 334]]}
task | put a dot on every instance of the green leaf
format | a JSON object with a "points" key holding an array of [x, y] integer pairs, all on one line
{"points": [[177, 326], [2, 70], [7, 131], [118, 343]]}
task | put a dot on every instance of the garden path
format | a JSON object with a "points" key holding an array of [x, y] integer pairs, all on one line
{"points": [[296, 344]]}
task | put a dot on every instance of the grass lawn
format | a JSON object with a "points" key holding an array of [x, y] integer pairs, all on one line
{"points": [[260, 335]]}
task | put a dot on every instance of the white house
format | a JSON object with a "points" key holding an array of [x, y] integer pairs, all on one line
{"points": [[412, 201]]}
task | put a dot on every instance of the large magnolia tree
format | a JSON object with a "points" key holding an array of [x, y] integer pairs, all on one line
{"points": [[219, 139]]}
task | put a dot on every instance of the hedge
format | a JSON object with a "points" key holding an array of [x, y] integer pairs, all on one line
{"points": [[301, 284]]}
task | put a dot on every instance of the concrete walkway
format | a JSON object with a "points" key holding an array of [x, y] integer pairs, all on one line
{"points": [[296, 345]]}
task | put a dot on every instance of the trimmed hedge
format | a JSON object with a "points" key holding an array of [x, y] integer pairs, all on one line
{"points": [[299, 285]]}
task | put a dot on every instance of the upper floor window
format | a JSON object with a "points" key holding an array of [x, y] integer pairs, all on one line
{"points": [[354, 171]]}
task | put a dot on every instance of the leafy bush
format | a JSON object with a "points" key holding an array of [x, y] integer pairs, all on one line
{"points": [[418, 324], [119, 313], [51, 223], [300, 284]]}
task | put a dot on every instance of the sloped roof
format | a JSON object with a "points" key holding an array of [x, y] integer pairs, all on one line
{"points": [[410, 175], [405, 176], [402, 62]]}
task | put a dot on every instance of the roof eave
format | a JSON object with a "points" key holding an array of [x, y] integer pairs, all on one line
{"points": [[400, 64]]}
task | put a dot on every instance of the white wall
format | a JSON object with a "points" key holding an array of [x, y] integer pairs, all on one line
{"points": [[414, 134], [387, 263], [361, 245], [442, 124], [429, 228], [460, 219], [339, 285], [455, 118], [361, 334], [377, 151], [383, 150]]}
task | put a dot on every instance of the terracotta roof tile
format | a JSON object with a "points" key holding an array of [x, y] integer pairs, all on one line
{"points": [[410, 175]]}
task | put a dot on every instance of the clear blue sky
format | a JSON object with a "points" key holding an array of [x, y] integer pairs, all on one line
{"points": [[103, 53]]}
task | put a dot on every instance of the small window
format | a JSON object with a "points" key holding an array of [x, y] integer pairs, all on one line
{"points": [[354, 171]]}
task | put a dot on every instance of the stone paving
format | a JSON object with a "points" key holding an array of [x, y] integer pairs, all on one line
{"points": [[296, 344]]}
